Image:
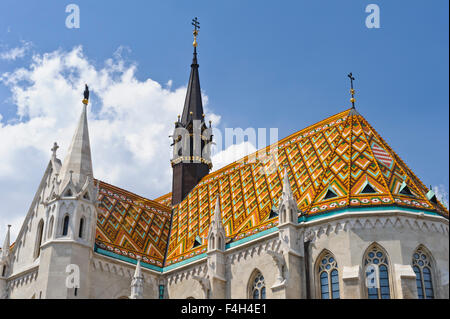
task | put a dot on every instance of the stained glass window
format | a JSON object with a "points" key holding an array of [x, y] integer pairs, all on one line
{"points": [[377, 274], [258, 287], [422, 267], [329, 277]]}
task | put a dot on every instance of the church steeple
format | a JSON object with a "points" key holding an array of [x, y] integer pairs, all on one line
{"points": [[191, 138], [78, 163], [193, 106]]}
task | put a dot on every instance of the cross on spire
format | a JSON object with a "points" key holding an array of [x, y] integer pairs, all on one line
{"points": [[196, 25], [54, 149], [352, 91]]}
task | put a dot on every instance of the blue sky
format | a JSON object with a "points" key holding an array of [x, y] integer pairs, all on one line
{"points": [[265, 64]]}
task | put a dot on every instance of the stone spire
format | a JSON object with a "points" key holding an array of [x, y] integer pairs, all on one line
{"points": [[216, 233], [287, 209], [78, 159], [6, 245], [137, 283]]}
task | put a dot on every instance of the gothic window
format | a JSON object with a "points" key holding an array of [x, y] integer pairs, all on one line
{"points": [[50, 227], [327, 270], [421, 264], [376, 267], [65, 225], [81, 230], [4, 271], [258, 287], [40, 230], [219, 242], [211, 242]]}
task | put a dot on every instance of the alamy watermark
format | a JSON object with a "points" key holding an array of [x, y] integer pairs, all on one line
{"points": [[373, 19], [73, 19], [73, 277], [194, 145]]}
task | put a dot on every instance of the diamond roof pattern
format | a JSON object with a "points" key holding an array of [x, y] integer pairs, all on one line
{"points": [[337, 163], [130, 225]]}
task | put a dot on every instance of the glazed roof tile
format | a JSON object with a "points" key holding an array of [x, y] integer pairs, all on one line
{"points": [[342, 153], [337, 163]]}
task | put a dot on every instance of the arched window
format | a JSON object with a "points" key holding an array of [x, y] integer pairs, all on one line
{"points": [[421, 264], [219, 242], [81, 230], [65, 225], [376, 267], [40, 230], [258, 286], [50, 228], [327, 270], [211, 242]]}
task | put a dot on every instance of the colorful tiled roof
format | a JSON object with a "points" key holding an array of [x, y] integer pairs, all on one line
{"points": [[130, 225], [337, 163], [165, 200]]}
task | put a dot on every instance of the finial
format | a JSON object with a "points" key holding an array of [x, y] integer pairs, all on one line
{"points": [[196, 25], [352, 91], [210, 123], [54, 149], [178, 117], [86, 95]]}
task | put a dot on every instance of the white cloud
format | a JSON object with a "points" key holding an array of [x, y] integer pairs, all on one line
{"points": [[232, 153], [129, 124], [441, 194], [17, 52]]}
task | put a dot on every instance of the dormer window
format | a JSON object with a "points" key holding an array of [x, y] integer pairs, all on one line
{"points": [[330, 194], [197, 241], [404, 190], [368, 189]]}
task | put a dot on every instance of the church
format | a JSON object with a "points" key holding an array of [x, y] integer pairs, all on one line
{"points": [[329, 212]]}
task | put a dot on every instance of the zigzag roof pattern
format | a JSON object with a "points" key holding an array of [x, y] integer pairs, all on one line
{"points": [[337, 163], [130, 225]]}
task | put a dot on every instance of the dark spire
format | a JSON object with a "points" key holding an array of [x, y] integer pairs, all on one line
{"points": [[193, 106], [352, 91], [191, 138]]}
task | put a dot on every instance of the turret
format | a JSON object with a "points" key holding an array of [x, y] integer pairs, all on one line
{"points": [[71, 217], [4, 265], [137, 283], [192, 139]]}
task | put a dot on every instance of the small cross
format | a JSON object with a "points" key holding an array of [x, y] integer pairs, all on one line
{"points": [[54, 149], [350, 75], [196, 24], [352, 91]]}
